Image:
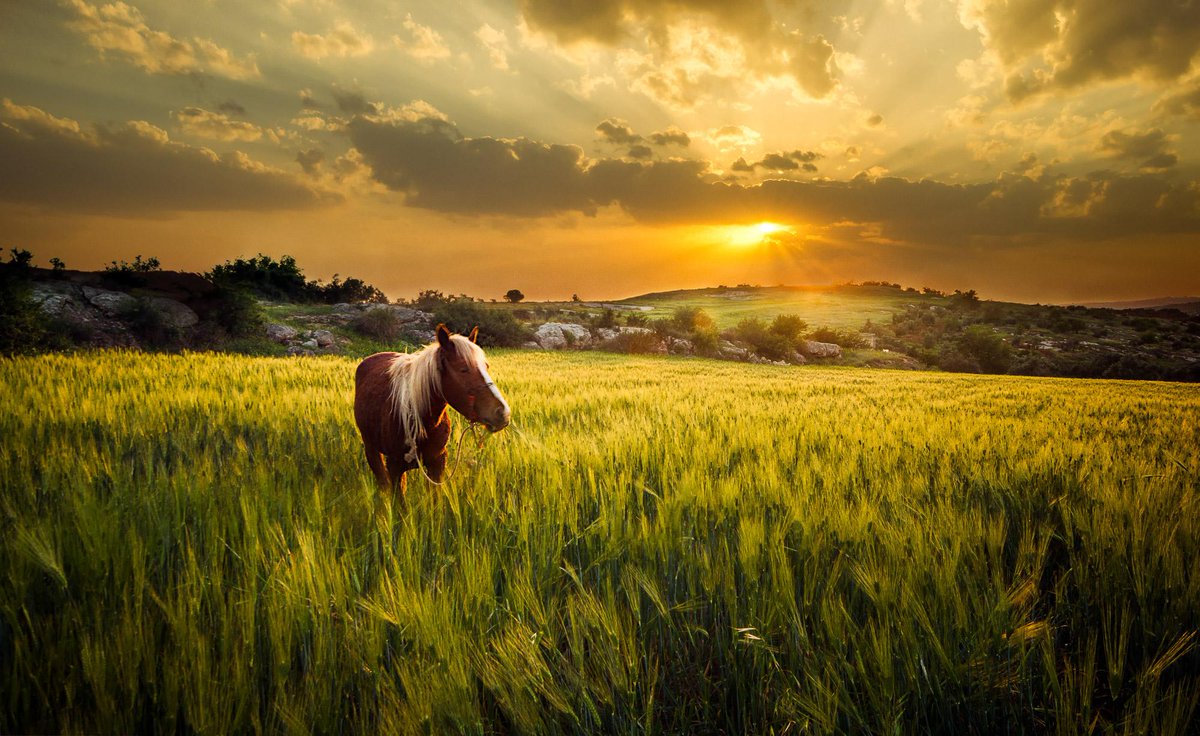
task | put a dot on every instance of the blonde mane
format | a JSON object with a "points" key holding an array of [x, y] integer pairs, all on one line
{"points": [[416, 383]]}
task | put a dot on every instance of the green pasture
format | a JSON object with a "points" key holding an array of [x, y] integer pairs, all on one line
{"points": [[841, 309], [192, 544]]}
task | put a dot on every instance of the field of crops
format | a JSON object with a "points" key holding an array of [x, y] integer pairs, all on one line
{"points": [[192, 543]]}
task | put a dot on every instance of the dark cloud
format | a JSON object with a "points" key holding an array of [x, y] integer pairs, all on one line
{"points": [[1151, 147], [640, 152], [618, 132], [438, 168], [782, 161], [308, 101], [353, 102], [310, 160], [230, 107], [1080, 42], [875, 120], [131, 169], [672, 136], [1182, 102]]}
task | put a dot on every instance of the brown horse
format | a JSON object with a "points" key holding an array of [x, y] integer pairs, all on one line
{"points": [[401, 399]]}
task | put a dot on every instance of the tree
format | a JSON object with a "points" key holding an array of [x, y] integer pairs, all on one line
{"points": [[57, 264], [514, 295]]}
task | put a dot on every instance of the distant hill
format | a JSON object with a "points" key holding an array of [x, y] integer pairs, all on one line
{"points": [[1187, 304], [840, 307]]}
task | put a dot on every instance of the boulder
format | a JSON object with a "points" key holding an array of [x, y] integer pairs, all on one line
{"points": [[56, 298], [175, 313], [559, 335], [324, 338], [822, 349], [281, 333], [729, 351], [112, 303], [310, 344], [680, 346]]}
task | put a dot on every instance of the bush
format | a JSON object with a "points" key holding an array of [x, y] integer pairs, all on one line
{"points": [[755, 333], [21, 323], [633, 342], [986, 348], [790, 327], [237, 312], [497, 328], [381, 324], [844, 338], [152, 327]]}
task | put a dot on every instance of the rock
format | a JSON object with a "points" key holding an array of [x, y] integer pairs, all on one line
{"points": [[795, 358], [310, 344], [55, 298], [281, 333], [559, 335], [634, 330], [822, 349], [348, 309], [297, 350], [175, 314], [532, 345], [680, 346], [324, 338], [112, 303], [605, 334], [404, 315], [421, 337], [728, 350]]}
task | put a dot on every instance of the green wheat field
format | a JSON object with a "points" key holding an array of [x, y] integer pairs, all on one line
{"points": [[192, 544]]}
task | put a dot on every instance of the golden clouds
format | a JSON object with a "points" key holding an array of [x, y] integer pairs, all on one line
{"points": [[132, 168], [120, 30], [343, 40], [685, 53], [1048, 45]]}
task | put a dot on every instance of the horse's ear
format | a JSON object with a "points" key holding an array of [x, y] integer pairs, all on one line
{"points": [[474, 332], [443, 337]]}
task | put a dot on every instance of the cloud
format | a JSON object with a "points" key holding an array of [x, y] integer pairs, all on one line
{"points": [[685, 52], [311, 160], [617, 131], [424, 44], [672, 136], [782, 161], [640, 152], [496, 44], [120, 30], [1151, 147], [353, 102], [343, 41], [731, 137], [1074, 43], [438, 168], [230, 107], [132, 169], [1184, 101], [215, 125], [874, 120]]}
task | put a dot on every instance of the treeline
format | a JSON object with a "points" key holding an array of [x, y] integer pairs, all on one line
{"points": [[283, 280]]}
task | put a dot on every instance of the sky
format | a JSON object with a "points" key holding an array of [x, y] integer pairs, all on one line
{"points": [[1034, 150]]}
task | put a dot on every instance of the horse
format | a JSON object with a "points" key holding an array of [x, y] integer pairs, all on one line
{"points": [[401, 405]]}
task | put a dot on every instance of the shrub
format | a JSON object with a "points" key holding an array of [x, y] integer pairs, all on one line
{"points": [[986, 348], [755, 333], [633, 342], [381, 324], [789, 327], [462, 313], [152, 327], [237, 311]]}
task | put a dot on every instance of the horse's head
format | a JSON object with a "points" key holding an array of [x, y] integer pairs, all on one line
{"points": [[466, 384]]}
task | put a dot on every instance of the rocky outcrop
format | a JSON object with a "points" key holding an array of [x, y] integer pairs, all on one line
{"points": [[303, 342], [560, 335], [282, 333], [815, 349]]}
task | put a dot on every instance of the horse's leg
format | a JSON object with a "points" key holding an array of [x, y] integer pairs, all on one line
{"points": [[434, 459], [396, 471], [375, 460]]}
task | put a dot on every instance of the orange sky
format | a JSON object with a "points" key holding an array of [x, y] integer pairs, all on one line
{"points": [[1040, 151]]}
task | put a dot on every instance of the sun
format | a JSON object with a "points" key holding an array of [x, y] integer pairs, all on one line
{"points": [[745, 236]]}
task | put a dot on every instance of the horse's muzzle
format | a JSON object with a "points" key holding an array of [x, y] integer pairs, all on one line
{"points": [[499, 418]]}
